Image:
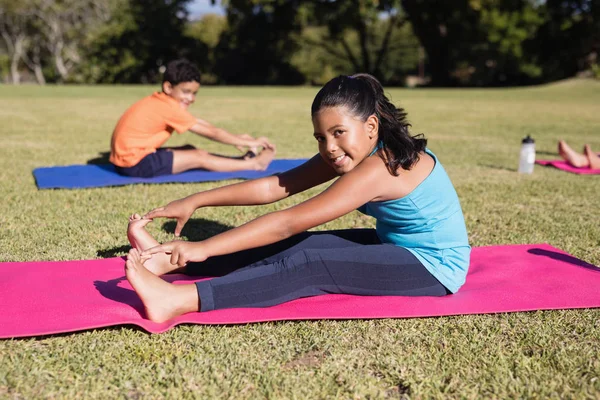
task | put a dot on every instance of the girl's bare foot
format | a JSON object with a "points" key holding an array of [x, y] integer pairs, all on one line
{"points": [[571, 156], [263, 160], [140, 239], [592, 157], [162, 300]]}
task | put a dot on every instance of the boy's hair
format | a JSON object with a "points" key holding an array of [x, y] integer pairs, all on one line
{"points": [[181, 70], [363, 96]]}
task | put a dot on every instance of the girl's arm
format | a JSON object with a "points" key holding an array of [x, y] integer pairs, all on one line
{"points": [[364, 183], [253, 192]]}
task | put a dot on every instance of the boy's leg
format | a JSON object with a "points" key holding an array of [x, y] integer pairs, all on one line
{"points": [[184, 160], [154, 164], [225, 264], [375, 270], [249, 153]]}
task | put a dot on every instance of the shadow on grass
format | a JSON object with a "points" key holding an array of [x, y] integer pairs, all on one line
{"points": [[113, 252], [501, 167], [198, 229], [101, 159], [546, 153], [564, 258], [195, 230], [116, 327]]}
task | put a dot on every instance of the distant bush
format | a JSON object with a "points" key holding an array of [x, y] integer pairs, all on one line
{"points": [[596, 71]]}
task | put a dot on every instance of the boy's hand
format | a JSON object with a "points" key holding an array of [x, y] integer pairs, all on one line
{"points": [[177, 209], [264, 142], [181, 252], [253, 144], [247, 138]]}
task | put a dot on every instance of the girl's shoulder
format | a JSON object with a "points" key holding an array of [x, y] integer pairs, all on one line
{"points": [[405, 181]]}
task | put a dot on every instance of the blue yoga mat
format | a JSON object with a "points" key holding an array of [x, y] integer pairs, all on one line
{"points": [[92, 175]]}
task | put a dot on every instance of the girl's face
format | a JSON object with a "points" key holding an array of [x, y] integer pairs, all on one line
{"points": [[344, 140]]}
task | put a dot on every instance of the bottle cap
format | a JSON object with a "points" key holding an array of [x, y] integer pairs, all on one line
{"points": [[528, 139]]}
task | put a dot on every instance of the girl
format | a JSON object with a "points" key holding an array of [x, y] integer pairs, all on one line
{"points": [[419, 247]]}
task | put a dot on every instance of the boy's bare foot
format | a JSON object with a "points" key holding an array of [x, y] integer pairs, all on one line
{"points": [[592, 157], [162, 300], [140, 239], [571, 156], [264, 159]]}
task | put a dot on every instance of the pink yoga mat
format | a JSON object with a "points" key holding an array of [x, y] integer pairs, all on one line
{"points": [[562, 165], [40, 298]]}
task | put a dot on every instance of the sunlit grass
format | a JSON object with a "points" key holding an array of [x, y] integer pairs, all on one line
{"points": [[475, 133]]}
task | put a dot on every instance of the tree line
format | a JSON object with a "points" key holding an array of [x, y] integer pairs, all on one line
{"points": [[435, 42]]}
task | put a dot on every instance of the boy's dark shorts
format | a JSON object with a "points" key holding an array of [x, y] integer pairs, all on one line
{"points": [[155, 164]]}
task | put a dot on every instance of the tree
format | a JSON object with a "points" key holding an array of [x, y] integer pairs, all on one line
{"points": [[278, 41], [371, 22], [39, 32], [260, 42], [568, 41], [142, 37], [500, 56], [320, 59], [62, 25], [15, 24], [446, 30], [207, 33]]}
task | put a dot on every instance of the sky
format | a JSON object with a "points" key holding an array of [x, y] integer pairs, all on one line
{"points": [[197, 8]]}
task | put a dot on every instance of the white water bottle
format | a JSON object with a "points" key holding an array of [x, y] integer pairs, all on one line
{"points": [[527, 155]]}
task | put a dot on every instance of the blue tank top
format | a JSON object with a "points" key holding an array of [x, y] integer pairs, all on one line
{"points": [[429, 223]]}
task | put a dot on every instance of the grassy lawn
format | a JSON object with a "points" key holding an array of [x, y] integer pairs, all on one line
{"points": [[475, 133]]}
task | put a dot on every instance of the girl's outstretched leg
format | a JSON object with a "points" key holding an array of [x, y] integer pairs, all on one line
{"points": [[571, 156], [162, 300], [140, 239], [592, 157]]}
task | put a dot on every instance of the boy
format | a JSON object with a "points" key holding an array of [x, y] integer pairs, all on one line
{"points": [[146, 125]]}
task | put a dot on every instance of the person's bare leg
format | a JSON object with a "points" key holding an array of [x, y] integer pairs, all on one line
{"points": [[140, 239], [184, 160], [162, 300], [247, 155], [592, 157], [571, 156]]}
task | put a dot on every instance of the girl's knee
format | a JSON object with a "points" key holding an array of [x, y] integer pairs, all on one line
{"points": [[200, 153], [303, 258]]}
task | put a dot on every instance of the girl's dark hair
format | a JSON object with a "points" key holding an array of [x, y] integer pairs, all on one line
{"points": [[181, 71], [363, 96]]}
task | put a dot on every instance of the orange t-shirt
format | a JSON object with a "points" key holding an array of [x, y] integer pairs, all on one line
{"points": [[146, 126]]}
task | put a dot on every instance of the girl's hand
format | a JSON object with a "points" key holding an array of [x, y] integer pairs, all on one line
{"points": [[178, 209], [181, 252]]}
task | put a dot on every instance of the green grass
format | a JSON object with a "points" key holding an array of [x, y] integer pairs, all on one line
{"points": [[475, 133]]}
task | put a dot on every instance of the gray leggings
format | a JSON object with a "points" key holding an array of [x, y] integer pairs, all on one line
{"points": [[350, 261]]}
